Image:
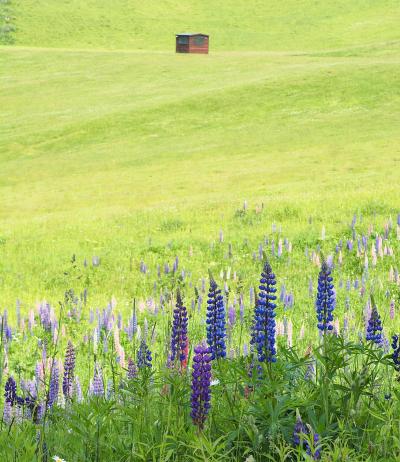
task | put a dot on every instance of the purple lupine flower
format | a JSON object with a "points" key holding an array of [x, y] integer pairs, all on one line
{"points": [[144, 355], [54, 385], [7, 413], [392, 312], [325, 302], [298, 431], [216, 330], [374, 326], [396, 352], [310, 371], [97, 385], [10, 391], [69, 367], [201, 383], [231, 316], [179, 338], [45, 316], [132, 370], [263, 331]]}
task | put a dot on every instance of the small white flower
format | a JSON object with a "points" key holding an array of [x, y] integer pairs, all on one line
{"points": [[58, 459], [214, 382]]}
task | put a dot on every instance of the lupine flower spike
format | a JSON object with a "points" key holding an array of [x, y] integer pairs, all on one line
{"points": [[179, 338], [132, 370], [201, 382], [325, 303], [69, 366], [216, 330], [144, 355], [263, 334], [374, 327], [98, 385], [396, 352]]}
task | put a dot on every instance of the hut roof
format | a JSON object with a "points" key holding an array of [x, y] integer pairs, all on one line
{"points": [[189, 34]]}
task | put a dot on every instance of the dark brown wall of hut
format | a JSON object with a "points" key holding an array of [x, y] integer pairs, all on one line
{"points": [[182, 48]]}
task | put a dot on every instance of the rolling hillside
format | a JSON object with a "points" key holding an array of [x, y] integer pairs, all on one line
{"points": [[105, 133], [233, 25]]}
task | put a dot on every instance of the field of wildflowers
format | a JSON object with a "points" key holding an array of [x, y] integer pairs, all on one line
{"points": [[299, 363], [148, 312]]}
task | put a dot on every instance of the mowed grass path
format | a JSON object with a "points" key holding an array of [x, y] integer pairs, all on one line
{"points": [[102, 149]]}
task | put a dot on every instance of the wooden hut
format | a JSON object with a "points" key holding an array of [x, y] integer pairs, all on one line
{"points": [[192, 43]]}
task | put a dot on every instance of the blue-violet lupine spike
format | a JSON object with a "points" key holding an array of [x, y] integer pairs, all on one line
{"points": [[325, 303], [54, 385], [201, 385], [216, 329], [263, 330], [179, 338], [144, 355], [374, 327], [396, 352], [10, 391]]}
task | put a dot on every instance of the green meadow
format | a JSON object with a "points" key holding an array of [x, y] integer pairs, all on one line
{"points": [[108, 138]]}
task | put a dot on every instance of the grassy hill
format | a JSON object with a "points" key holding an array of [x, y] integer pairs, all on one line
{"points": [[103, 145], [238, 25]]}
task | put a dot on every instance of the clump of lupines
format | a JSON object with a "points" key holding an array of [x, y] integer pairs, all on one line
{"points": [[374, 327], [179, 338], [299, 433], [325, 303], [69, 366], [263, 333], [216, 330], [396, 352], [144, 355], [201, 383]]}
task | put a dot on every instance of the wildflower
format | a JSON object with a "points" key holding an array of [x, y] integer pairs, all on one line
{"points": [[396, 352], [10, 391], [144, 355], [132, 370], [201, 381], [97, 386], [7, 412], [179, 339], [325, 302], [263, 334], [54, 385], [216, 330], [374, 327], [69, 366]]}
